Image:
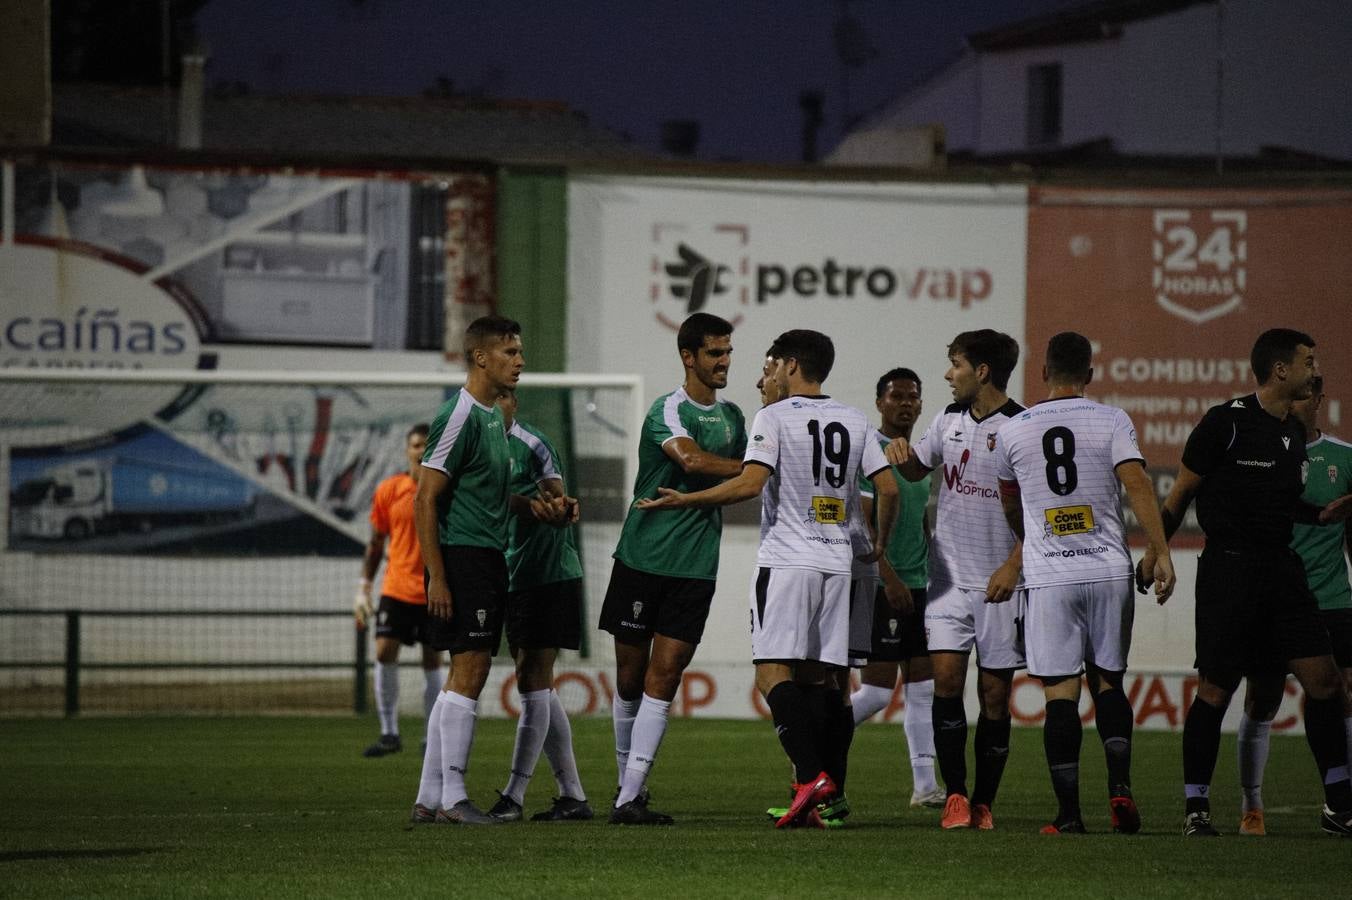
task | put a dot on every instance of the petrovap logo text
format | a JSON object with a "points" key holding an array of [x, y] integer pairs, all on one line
{"points": [[718, 269]]}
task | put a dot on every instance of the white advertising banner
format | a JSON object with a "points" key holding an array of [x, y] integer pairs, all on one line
{"points": [[890, 271]]}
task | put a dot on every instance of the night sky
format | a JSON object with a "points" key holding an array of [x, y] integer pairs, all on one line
{"points": [[737, 66]]}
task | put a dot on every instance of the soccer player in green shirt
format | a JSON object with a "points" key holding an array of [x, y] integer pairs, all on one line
{"points": [[461, 515], [662, 581], [1321, 548], [544, 614], [899, 639]]}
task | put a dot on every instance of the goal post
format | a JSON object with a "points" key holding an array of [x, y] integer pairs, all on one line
{"points": [[165, 508]]}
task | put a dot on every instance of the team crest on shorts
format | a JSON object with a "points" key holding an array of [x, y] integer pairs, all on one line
{"points": [[990, 441], [1333, 474], [638, 608], [482, 616]]}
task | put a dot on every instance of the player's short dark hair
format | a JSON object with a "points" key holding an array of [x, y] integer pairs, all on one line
{"points": [[1276, 345], [420, 430], [1069, 357], [901, 373], [489, 328], [699, 326], [991, 348], [813, 351]]}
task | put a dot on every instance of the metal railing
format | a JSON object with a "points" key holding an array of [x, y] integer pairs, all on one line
{"points": [[73, 665]]}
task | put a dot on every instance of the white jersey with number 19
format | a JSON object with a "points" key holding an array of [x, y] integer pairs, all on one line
{"points": [[1064, 454], [817, 448]]}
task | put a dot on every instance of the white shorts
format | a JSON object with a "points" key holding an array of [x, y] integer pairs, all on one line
{"points": [[800, 614], [1070, 626], [863, 594], [956, 619]]}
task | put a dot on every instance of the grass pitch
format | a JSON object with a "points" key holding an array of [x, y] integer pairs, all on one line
{"points": [[287, 807]]}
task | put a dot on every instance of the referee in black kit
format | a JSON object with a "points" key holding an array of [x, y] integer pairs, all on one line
{"points": [[1245, 464]]}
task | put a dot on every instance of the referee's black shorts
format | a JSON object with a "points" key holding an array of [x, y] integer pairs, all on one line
{"points": [[1255, 612]]}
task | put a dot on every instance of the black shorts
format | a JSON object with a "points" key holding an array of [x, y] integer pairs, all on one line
{"points": [[896, 637], [546, 616], [1254, 612], [406, 622], [478, 580], [1338, 623], [639, 604]]}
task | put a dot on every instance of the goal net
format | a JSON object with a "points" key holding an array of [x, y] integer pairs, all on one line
{"points": [[191, 542]]}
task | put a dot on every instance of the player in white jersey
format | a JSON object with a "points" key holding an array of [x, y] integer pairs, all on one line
{"points": [[804, 458], [1060, 463], [975, 598]]}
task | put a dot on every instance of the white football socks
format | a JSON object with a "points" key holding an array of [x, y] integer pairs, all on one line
{"points": [[1252, 752], [531, 729], [868, 701], [387, 696], [650, 725], [429, 785], [559, 750], [622, 713], [457, 719], [918, 722]]}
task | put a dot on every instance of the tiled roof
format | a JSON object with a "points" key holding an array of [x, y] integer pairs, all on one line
{"points": [[340, 128]]}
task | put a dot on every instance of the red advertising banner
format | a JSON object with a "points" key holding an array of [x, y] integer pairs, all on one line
{"points": [[1173, 286]]}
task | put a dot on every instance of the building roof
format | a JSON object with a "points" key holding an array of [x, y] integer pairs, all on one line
{"points": [[108, 117], [1093, 21]]}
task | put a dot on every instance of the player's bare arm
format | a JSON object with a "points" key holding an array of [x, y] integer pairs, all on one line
{"points": [[695, 461], [1336, 511], [896, 591], [1005, 580], [898, 453], [887, 503], [431, 486], [746, 485], [1157, 564]]}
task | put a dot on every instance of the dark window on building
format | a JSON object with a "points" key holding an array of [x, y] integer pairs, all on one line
{"points": [[1044, 104]]}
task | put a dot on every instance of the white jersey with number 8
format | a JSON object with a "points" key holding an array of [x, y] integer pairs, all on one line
{"points": [[1064, 453]]}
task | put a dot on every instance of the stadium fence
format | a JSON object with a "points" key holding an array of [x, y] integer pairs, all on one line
{"points": [[189, 542]]}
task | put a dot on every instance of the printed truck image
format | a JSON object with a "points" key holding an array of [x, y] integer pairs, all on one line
{"points": [[76, 500]]}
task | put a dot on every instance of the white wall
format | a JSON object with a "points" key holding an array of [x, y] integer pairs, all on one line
{"points": [[1153, 90]]}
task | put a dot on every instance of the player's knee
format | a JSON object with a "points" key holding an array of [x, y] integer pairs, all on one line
{"points": [[534, 673], [662, 683], [1322, 684], [469, 673]]}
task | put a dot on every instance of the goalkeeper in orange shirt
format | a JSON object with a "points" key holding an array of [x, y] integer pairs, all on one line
{"points": [[401, 617]]}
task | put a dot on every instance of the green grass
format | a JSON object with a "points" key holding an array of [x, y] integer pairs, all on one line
{"points": [[287, 807]]}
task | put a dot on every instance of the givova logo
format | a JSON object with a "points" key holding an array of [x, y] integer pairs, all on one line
{"points": [[713, 269]]}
